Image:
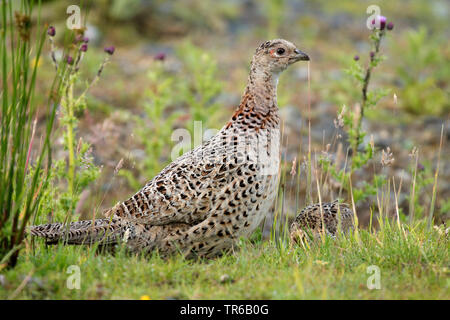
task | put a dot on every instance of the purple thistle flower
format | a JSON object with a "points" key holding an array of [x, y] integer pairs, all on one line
{"points": [[69, 60], [51, 31], [390, 26], [420, 167], [160, 56], [85, 39], [356, 58], [110, 50], [381, 20], [84, 47], [372, 54]]}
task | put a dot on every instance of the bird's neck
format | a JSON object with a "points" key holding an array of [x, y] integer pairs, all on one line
{"points": [[258, 107], [262, 85]]}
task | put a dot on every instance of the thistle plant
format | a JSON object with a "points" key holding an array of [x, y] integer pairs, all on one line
{"points": [[77, 170], [369, 99], [350, 120]]}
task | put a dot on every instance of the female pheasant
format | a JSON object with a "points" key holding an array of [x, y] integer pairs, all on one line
{"points": [[201, 203], [326, 218]]}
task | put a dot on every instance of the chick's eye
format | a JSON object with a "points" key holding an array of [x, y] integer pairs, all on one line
{"points": [[280, 51]]}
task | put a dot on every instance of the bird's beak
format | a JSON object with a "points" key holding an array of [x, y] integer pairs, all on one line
{"points": [[300, 55]]}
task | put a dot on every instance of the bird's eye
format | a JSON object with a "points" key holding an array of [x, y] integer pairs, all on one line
{"points": [[280, 51]]}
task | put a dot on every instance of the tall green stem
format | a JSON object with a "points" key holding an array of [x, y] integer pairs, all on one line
{"points": [[68, 106]]}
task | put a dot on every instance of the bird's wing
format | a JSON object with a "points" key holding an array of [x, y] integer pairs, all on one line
{"points": [[186, 191]]}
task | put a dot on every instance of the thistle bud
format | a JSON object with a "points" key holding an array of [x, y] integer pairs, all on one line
{"points": [[109, 50], [356, 58], [390, 26], [381, 20], [160, 56], [84, 47], [51, 31], [69, 60]]}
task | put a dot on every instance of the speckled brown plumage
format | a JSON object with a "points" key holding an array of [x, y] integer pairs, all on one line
{"points": [[202, 202], [310, 219]]}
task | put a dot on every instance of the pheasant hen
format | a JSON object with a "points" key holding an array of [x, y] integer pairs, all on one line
{"points": [[326, 218], [202, 202]]}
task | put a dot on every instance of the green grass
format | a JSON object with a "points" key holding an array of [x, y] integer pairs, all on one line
{"points": [[413, 264]]}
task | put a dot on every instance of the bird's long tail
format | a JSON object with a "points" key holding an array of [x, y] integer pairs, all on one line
{"points": [[105, 231]]}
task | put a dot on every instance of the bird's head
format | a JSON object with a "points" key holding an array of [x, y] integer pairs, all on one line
{"points": [[275, 56]]}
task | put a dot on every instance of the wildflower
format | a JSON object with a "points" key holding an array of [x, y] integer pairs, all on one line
{"points": [[372, 55], [69, 60], [420, 167], [356, 58], [84, 47], [51, 31], [339, 122], [387, 158], [85, 39], [109, 50], [160, 56], [390, 26], [381, 20], [144, 297]]}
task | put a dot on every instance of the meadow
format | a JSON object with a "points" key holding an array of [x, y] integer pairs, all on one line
{"points": [[88, 117]]}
